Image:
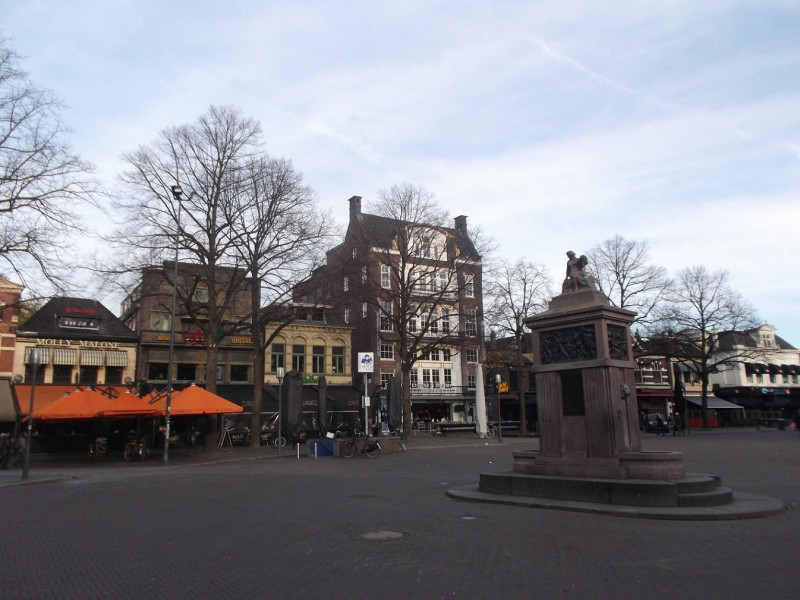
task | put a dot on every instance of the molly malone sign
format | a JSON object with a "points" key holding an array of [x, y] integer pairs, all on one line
{"points": [[81, 343]]}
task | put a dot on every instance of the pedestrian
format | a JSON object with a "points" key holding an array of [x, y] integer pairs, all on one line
{"points": [[672, 424], [19, 447], [660, 425], [5, 449]]}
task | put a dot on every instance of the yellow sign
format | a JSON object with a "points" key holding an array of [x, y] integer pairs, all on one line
{"points": [[502, 387]]}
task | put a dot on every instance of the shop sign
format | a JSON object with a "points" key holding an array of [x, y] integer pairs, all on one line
{"points": [[81, 343]]}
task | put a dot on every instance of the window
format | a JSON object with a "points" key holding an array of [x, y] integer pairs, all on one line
{"points": [[318, 359], [443, 280], [364, 311], [434, 323], [385, 279], [472, 355], [447, 355], [346, 284], [240, 373], [159, 320], [426, 378], [386, 316], [63, 374], [448, 378], [355, 252], [471, 382], [387, 351], [201, 295], [414, 379], [435, 378], [412, 324], [471, 324], [435, 354], [337, 353], [346, 315], [186, 372], [469, 286], [244, 324], [385, 377], [445, 320], [299, 358], [364, 274], [277, 359], [78, 322], [156, 371]]}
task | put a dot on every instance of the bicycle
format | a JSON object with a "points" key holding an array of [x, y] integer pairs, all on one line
{"points": [[490, 432], [362, 444], [397, 433], [136, 448]]}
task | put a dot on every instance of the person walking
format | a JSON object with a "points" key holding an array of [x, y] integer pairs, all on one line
{"points": [[5, 449], [21, 444]]}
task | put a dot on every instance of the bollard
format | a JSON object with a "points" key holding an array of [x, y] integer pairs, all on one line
{"points": [[316, 447], [298, 450]]}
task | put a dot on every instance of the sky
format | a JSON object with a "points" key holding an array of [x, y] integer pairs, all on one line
{"points": [[552, 125]]}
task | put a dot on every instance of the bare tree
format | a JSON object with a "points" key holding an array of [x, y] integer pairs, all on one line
{"points": [[427, 269], [623, 273], [281, 235], [512, 292], [209, 159], [43, 184], [691, 322]]}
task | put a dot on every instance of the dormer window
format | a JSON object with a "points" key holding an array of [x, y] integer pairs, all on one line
{"points": [[70, 322]]}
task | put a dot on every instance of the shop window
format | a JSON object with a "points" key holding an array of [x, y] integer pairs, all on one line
{"points": [[186, 372], [240, 373], [87, 375], [61, 374], [114, 375], [157, 372]]}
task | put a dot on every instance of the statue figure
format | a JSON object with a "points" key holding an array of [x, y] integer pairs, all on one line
{"points": [[577, 278]]}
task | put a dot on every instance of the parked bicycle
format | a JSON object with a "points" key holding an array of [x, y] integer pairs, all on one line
{"points": [[361, 444], [136, 448], [490, 431], [398, 433], [99, 447]]}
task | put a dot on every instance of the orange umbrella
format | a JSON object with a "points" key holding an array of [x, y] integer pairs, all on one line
{"points": [[83, 404], [196, 401], [128, 405]]}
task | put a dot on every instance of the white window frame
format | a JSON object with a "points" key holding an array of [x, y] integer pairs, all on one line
{"points": [[386, 279]]}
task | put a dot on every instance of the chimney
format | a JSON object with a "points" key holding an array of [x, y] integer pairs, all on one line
{"points": [[461, 224], [355, 208]]}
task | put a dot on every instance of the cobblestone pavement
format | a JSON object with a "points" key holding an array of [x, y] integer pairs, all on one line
{"points": [[244, 523]]}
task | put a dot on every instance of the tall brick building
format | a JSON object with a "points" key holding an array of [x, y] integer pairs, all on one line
{"points": [[366, 280]]}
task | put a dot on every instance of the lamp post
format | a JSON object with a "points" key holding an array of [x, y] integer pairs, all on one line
{"points": [[279, 374], [33, 361], [497, 380], [177, 192]]}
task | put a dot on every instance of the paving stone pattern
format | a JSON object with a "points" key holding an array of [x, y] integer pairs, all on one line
{"points": [[246, 524]]}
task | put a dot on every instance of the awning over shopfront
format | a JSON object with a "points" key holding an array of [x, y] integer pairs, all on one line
{"points": [[65, 356], [714, 402], [127, 405], [92, 358], [194, 400], [83, 404], [8, 408], [44, 355], [115, 358]]}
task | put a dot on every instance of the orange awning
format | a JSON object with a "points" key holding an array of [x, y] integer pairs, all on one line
{"points": [[83, 404], [128, 405], [195, 400]]}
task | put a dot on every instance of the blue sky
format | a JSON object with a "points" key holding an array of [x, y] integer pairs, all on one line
{"points": [[551, 124]]}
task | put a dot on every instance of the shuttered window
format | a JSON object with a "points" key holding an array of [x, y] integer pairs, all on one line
{"points": [[92, 358], [65, 356], [115, 358]]}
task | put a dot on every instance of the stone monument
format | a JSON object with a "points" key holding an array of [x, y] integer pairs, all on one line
{"points": [[589, 446]]}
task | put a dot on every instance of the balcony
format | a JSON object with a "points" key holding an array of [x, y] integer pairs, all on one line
{"points": [[441, 389]]}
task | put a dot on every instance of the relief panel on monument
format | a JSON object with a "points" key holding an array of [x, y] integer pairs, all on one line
{"points": [[568, 345], [618, 342]]}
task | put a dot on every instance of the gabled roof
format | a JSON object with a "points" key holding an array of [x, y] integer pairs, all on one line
{"points": [[380, 232], [44, 323]]}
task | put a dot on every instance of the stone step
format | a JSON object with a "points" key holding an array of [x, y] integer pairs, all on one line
{"points": [[720, 496], [695, 483]]}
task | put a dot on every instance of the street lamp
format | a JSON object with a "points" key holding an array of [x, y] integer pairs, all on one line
{"points": [[177, 192], [33, 361], [279, 375], [497, 380]]}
